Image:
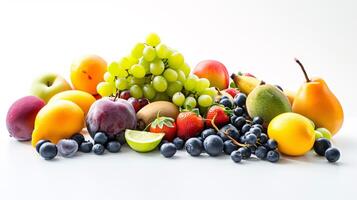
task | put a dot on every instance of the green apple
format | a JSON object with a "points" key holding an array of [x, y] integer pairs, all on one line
{"points": [[47, 85]]}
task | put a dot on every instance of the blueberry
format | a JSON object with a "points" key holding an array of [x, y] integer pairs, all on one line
{"points": [[229, 147], [239, 99], [271, 144], [245, 152], [200, 138], [233, 118], [207, 132], [258, 120], [179, 143], [163, 142], [263, 138], [39, 144], [236, 156], [86, 147], [168, 150], [238, 111], [224, 97], [321, 145], [258, 126], [67, 147], [226, 103], [100, 138], [113, 146], [252, 148], [273, 156], [261, 152], [213, 145], [98, 149], [242, 139], [120, 138], [251, 139], [332, 154], [79, 138], [239, 122], [245, 128], [48, 151], [230, 130], [194, 146], [256, 131]]}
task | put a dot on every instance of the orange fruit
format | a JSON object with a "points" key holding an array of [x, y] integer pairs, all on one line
{"points": [[87, 72]]}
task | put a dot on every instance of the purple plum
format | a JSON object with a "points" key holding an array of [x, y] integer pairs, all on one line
{"points": [[21, 116], [111, 117]]}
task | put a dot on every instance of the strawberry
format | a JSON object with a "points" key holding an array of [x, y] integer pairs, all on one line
{"points": [[232, 91], [219, 113], [165, 125], [189, 124]]}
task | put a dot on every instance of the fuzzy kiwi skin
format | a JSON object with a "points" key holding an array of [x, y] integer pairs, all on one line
{"points": [[148, 113]]}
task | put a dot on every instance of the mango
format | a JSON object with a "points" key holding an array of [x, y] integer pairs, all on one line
{"points": [[57, 120], [83, 99]]}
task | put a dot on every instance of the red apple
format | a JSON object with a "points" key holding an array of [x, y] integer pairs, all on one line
{"points": [[21, 116], [214, 71]]}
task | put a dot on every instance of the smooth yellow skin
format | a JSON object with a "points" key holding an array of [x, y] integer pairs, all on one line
{"points": [[57, 120], [83, 99], [294, 133]]}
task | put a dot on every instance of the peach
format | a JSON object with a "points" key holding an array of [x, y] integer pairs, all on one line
{"points": [[83, 99], [21, 116], [87, 72], [57, 120], [214, 71]]}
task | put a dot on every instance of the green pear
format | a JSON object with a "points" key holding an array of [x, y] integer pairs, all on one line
{"points": [[267, 101]]}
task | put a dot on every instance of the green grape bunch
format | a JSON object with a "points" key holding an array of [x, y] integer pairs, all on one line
{"points": [[157, 72]]}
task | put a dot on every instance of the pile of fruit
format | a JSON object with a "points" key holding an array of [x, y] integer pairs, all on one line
{"points": [[150, 100]]}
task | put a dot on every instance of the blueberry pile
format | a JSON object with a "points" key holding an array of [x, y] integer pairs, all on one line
{"points": [[241, 138], [323, 147], [68, 147]]}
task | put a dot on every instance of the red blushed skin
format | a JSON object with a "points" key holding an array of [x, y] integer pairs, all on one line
{"points": [[21, 116], [214, 71], [232, 91]]}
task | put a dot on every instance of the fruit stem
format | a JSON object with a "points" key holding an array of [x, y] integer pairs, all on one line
{"points": [[303, 70], [116, 96], [226, 134]]}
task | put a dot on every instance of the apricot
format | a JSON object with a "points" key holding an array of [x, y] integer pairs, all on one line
{"points": [[294, 133], [83, 99], [87, 72], [57, 120]]}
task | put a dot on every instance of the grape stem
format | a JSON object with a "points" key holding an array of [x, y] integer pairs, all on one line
{"points": [[116, 96], [226, 134]]}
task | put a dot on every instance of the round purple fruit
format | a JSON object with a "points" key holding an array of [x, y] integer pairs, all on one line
{"points": [[110, 117]]}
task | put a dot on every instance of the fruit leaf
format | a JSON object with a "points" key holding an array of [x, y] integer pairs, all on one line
{"points": [[232, 85], [163, 121], [196, 111]]}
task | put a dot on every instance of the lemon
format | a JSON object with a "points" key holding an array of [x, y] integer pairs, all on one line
{"points": [[294, 133], [143, 141]]}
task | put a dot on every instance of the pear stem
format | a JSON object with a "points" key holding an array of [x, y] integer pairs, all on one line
{"points": [[303, 70]]}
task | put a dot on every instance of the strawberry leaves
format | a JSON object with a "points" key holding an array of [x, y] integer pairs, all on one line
{"points": [[163, 121]]}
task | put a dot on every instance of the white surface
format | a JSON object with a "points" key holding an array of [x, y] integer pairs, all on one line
{"points": [[259, 37]]}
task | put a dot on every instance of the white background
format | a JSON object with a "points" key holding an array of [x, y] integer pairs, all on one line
{"points": [[261, 37]]}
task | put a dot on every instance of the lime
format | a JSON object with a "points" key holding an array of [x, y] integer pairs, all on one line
{"points": [[143, 141]]}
